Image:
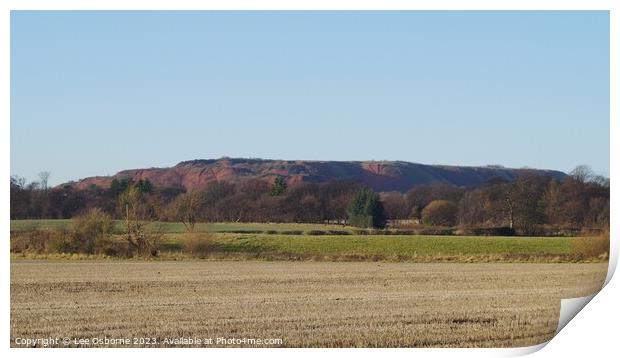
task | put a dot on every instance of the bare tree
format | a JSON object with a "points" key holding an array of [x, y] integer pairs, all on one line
{"points": [[18, 181], [132, 206], [186, 208], [43, 179], [582, 174], [395, 206]]}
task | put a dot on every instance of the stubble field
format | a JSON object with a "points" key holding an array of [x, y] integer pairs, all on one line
{"points": [[316, 304]]}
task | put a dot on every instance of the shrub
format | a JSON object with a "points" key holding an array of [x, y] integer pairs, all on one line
{"points": [[435, 231], [292, 232], [378, 232], [111, 247], [440, 213], [316, 232], [199, 246], [338, 232], [486, 231], [597, 246], [89, 229], [42, 241], [242, 231]]}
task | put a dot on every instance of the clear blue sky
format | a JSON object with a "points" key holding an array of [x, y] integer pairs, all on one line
{"points": [[93, 93]]}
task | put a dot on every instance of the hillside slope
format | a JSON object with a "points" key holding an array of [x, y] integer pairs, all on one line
{"points": [[380, 175]]}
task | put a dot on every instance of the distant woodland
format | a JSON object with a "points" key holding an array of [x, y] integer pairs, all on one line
{"points": [[529, 205]]}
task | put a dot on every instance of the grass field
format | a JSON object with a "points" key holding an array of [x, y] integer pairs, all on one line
{"points": [[172, 227], [315, 304], [240, 241], [381, 247]]}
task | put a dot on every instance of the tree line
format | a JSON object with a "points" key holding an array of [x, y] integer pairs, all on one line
{"points": [[530, 204]]}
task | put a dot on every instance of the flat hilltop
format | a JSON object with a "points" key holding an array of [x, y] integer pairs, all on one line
{"points": [[379, 175]]}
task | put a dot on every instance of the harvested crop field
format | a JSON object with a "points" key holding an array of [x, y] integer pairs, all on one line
{"points": [[317, 304]]}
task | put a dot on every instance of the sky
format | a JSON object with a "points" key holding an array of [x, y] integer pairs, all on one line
{"points": [[93, 93]]}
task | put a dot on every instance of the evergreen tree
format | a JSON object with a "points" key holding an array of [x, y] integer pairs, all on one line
{"points": [[119, 186], [279, 186], [145, 186], [366, 210]]}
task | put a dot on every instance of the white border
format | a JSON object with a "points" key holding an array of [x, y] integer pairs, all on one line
{"points": [[572, 344], [314, 5]]}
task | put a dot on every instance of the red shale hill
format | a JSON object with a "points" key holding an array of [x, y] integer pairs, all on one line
{"points": [[379, 175]]}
